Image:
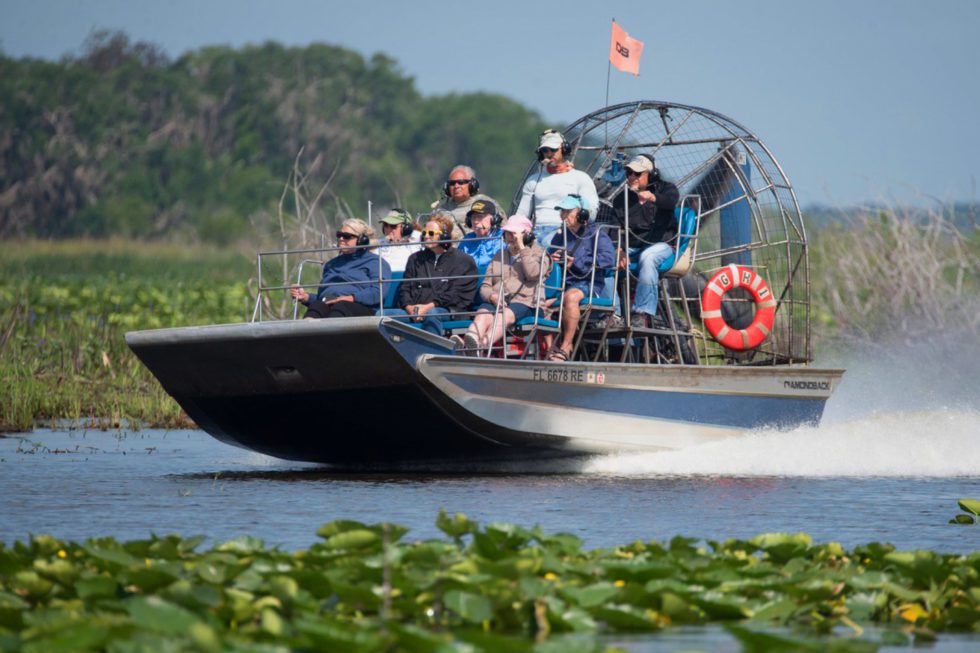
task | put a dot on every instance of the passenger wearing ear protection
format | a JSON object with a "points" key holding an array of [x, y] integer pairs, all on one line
{"points": [[351, 282], [556, 179], [585, 251], [511, 283], [399, 231], [439, 280], [485, 240], [652, 225], [461, 190]]}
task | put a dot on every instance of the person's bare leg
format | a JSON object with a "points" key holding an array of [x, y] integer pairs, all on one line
{"points": [[571, 314], [500, 327]]}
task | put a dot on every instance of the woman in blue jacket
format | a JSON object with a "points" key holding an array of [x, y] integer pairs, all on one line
{"points": [[350, 285]]}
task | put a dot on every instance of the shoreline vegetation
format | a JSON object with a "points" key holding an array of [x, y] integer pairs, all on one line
{"points": [[495, 587], [65, 307]]}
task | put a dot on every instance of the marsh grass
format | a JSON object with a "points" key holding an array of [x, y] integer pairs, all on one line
{"points": [[886, 275], [66, 306]]}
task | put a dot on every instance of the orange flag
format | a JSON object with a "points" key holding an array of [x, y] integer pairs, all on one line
{"points": [[624, 52]]}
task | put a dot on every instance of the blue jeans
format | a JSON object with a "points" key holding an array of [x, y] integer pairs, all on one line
{"points": [[647, 285], [431, 321]]}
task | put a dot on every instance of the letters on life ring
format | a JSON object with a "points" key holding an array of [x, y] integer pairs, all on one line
{"points": [[725, 279]]}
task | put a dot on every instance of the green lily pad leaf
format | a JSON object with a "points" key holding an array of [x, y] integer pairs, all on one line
{"points": [[245, 545], [342, 637], [456, 526], [971, 506], [339, 526], [781, 547], [590, 596], [116, 557], [10, 601], [678, 609], [963, 519], [780, 610], [150, 579], [352, 539], [188, 544], [212, 572], [568, 644], [722, 608], [416, 639], [153, 613], [78, 636], [96, 587], [625, 617], [471, 607], [894, 638]]}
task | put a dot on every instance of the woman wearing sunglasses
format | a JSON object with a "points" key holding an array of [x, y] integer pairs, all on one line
{"points": [[350, 285], [439, 280]]}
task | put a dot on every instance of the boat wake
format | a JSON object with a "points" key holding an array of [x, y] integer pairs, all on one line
{"points": [[901, 411], [938, 443]]}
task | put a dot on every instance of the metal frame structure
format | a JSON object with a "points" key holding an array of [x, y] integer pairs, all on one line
{"points": [[749, 215]]}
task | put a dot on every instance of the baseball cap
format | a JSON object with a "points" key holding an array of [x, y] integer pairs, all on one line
{"points": [[397, 216], [518, 224], [640, 164], [482, 206], [573, 202], [551, 139]]}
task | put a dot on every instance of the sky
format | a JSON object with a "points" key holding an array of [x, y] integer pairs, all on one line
{"points": [[859, 100]]}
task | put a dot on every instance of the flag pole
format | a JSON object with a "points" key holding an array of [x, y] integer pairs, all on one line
{"points": [[608, 75]]}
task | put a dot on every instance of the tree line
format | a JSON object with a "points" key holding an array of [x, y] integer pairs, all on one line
{"points": [[120, 140]]}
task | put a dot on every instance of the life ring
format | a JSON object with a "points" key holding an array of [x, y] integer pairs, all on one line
{"points": [[725, 279]]}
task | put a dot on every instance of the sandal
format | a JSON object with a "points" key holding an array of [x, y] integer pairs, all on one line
{"points": [[558, 355]]}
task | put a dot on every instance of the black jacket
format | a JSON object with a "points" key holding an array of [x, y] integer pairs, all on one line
{"points": [[652, 222], [434, 282]]}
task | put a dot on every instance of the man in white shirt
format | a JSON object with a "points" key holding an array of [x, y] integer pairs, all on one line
{"points": [[398, 228], [555, 179]]}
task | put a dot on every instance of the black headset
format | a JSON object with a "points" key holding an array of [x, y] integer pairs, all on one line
{"points": [[407, 225], [363, 240], [494, 222], [655, 173], [528, 238], [474, 185], [565, 147], [445, 237], [583, 213]]}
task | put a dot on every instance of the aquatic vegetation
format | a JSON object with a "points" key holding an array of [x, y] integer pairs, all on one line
{"points": [[497, 587], [65, 308], [972, 509]]}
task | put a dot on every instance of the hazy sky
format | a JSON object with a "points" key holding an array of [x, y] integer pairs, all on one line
{"points": [[858, 100]]}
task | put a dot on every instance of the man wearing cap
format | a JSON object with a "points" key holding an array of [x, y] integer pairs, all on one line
{"points": [[555, 179], [460, 192], [585, 251], [399, 231], [485, 239], [646, 210], [510, 285]]}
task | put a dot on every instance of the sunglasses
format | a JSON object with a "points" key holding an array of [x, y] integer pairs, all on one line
{"points": [[431, 234], [547, 150], [343, 235], [458, 182], [632, 173]]}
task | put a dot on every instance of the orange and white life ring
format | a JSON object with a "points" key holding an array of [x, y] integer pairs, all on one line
{"points": [[725, 279]]}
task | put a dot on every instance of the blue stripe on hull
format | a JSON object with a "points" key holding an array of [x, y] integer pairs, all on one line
{"points": [[740, 411]]}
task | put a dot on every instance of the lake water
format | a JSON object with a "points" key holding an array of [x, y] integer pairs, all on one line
{"points": [[885, 465]]}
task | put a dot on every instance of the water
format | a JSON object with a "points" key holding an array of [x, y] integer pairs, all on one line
{"points": [[899, 444]]}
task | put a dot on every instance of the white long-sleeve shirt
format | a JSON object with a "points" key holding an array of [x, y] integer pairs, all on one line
{"points": [[547, 190]]}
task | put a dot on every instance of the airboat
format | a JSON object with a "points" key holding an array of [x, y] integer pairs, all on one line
{"points": [[730, 355]]}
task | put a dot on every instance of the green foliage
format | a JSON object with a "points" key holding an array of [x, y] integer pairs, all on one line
{"points": [[121, 141], [65, 308], [362, 589], [972, 509]]}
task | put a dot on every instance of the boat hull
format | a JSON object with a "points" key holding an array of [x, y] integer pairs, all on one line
{"points": [[375, 391]]}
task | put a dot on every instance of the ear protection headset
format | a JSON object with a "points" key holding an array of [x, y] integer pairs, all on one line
{"points": [[528, 238], [565, 147], [363, 240], [583, 213], [655, 173], [474, 186], [407, 225]]}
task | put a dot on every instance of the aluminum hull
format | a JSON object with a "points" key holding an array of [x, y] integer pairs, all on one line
{"points": [[374, 391]]}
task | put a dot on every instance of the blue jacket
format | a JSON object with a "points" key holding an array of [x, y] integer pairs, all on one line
{"points": [[348, 269], [482, 250], [581, 247]]}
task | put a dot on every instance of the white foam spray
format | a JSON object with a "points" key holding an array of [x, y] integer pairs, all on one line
{"points": [[903, 410]]}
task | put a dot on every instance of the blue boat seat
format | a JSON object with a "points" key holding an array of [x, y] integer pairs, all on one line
{"points": [[681, 259], [391, 291]]}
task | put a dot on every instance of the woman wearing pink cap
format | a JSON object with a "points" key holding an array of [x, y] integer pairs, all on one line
{"points": [[510, 283]]}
